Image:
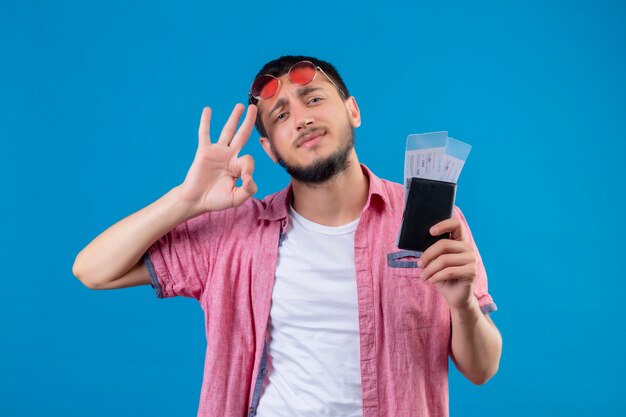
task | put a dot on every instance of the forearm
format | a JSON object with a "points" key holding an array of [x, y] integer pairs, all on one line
{"points": [[476, 343], [116, 250]]}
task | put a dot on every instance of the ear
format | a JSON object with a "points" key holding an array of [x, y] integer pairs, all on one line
{"points": [[354, 114], [267, 147]]}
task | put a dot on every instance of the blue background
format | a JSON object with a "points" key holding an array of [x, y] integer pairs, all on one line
{"points": [[99, 109]]}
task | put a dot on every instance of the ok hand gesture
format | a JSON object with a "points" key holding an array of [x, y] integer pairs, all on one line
{"points": [[210, 184]]}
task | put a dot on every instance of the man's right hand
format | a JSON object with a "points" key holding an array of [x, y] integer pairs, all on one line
{"points": [[210, 184], [114, 259]]}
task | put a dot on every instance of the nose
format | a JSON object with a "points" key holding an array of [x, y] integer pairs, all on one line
{"points": [[302, 117], [304, 123]]}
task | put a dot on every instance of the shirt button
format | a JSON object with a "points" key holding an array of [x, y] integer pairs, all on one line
{"points": [[252, 411], [264, 371]]}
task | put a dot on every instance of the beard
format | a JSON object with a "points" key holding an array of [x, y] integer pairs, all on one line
{"points": [[322, 169]]}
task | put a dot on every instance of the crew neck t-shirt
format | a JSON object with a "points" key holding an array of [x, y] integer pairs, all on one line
{"points": [[313, 331]]}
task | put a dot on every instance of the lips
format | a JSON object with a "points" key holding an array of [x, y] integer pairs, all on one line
{"points": [[311, 138]]}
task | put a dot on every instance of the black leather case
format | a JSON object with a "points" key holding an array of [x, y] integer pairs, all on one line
{"points": [[428, 203]]}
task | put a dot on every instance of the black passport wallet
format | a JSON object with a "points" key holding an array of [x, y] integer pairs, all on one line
{"points": [[428, 203]]}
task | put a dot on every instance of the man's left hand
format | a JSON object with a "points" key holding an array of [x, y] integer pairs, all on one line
{"points": [[450, 264]]}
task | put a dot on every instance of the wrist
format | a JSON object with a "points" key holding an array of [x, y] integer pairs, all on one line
{"points": [[185, 208], [468, 311]]}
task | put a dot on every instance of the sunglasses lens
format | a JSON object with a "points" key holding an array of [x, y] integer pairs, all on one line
{"points": [[302, 73], [264, 87]]}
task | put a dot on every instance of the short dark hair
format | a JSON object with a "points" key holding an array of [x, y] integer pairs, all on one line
{"points": [[280, 66]]}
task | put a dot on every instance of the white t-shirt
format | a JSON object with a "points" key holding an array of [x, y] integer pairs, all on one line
{"points": [[313, 358]]}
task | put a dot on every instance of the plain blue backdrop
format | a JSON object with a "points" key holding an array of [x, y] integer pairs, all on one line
{"points": [[99, 109]]}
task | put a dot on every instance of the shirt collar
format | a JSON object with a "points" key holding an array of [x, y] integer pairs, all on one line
{"points": [[277, 205]]}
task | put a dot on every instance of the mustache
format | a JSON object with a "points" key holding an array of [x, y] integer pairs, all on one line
{"points": [[303, 135]]}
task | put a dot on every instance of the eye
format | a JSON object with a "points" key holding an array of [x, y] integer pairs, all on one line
{"points": [[282, 116], [314, 100]]}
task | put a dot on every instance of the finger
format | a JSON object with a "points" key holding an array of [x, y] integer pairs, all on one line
{"points": [[243, 165], [446, 261], [445, 226], [204, 129], [247, 189], [463, 273], [452, 226], [244, 169], [243, 133], [249, 185], [231, 125], [440, 247]]}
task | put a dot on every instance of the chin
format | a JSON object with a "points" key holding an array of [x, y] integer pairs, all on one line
{"points": [[322, 168]]}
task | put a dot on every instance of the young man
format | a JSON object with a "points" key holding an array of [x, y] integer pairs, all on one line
{"points": [[310, 307]]}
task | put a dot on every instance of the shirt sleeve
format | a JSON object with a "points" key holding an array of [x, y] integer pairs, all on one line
{"points": [[178, 262], [481, 290]]}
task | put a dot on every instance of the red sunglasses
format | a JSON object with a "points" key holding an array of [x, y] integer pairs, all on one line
{"points": [[300, 73]]}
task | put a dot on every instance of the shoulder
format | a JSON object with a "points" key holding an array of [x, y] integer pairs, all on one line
{"points": [[393, 194], [394, 189]]}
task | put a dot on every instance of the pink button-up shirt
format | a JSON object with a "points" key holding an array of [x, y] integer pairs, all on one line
{"points": [[227, 261]]}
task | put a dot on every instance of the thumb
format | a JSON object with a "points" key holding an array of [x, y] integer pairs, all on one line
{"points": [[249, 185], [245, 191]]}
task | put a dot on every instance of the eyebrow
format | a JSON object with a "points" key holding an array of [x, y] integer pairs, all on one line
{"points": [[301, 92]]}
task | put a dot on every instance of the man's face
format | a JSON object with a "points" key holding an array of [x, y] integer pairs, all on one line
{"points": [[310, 129]]}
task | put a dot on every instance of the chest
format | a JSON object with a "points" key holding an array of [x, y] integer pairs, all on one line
{"points": [[315, 282]]}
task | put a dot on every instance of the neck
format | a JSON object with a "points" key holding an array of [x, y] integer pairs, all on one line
{"points": [[335, 202]]}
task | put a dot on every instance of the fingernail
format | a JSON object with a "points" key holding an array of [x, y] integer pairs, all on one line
{"points": [[420, 263], [434, 230]]}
